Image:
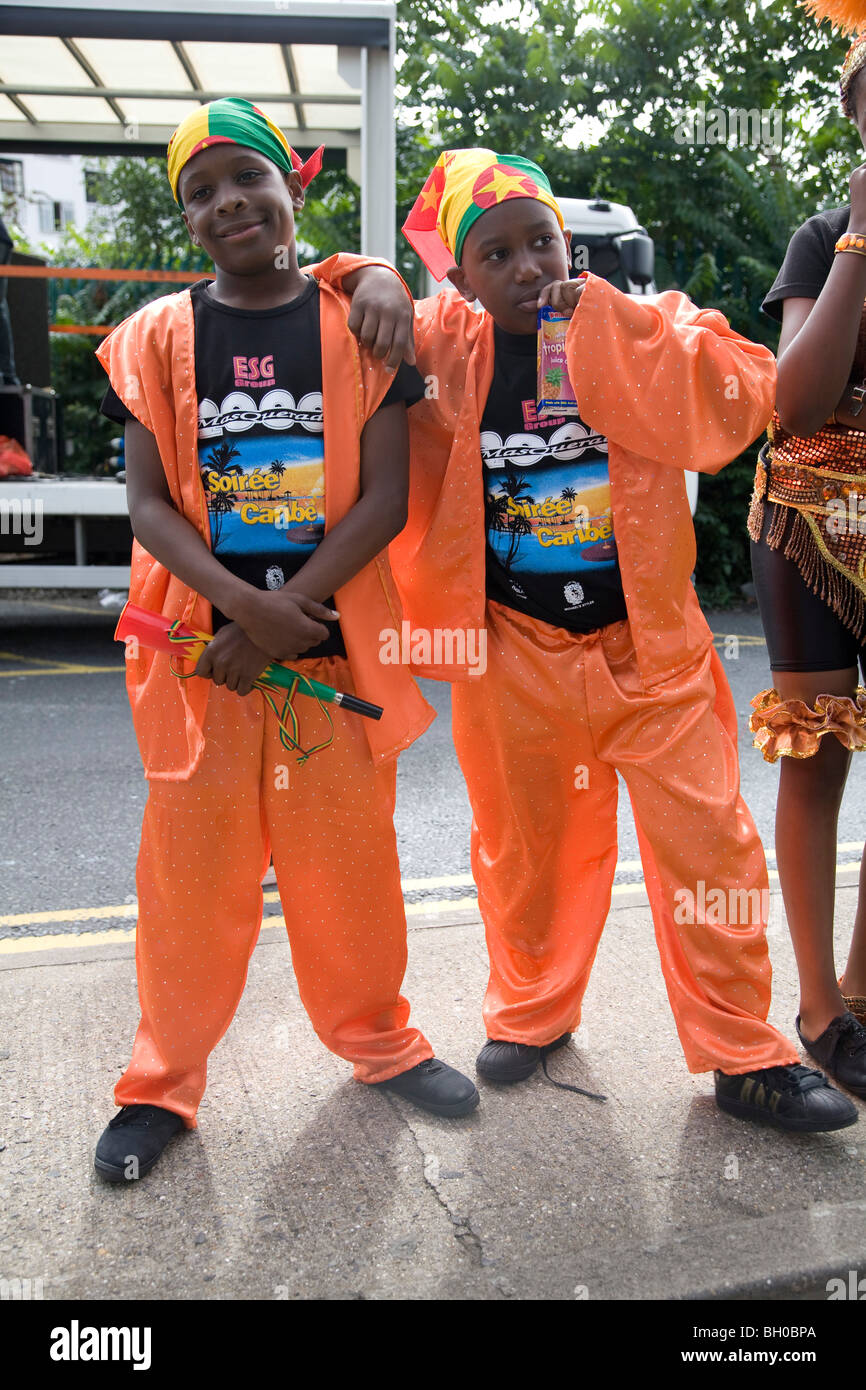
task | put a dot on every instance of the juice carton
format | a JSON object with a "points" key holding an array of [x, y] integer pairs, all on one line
{"points": [[555, 391]]}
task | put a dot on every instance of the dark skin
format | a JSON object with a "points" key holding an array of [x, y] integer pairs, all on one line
{"points": [[515, 259], [816, 350], [240, 208], [382, 314]]}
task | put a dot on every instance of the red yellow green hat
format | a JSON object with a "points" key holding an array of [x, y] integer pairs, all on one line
{"points": [[463, 185], [234, 120]]}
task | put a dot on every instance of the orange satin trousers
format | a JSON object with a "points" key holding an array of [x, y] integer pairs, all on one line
{"points": [[540, 737], [205, 846]]}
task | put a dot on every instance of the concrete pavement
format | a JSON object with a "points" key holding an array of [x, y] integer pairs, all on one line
{"points": [[301, 1184]]}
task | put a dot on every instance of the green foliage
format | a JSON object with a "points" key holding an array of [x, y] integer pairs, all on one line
{"points": [[139, 227], [603, 95], [720, 204]]}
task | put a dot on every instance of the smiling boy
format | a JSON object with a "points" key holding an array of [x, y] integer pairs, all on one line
{"points": [[242, 398]]}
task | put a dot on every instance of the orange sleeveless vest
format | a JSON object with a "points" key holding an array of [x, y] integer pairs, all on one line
{"points": [[150, 360]]}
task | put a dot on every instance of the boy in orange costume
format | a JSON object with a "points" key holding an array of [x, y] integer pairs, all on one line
{"points": [[598, 661], [214, 383]]}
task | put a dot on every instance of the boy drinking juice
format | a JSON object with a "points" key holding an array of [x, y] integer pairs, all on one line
{"points": [[266, 473], [570, 541]]}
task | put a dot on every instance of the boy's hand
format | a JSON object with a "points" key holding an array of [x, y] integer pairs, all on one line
{"points": [[231, 659], [562, 295], [381, 316], [284, 623]]}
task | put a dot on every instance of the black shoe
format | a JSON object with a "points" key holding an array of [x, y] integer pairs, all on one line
{"points": [[510, 1061], [788, 1097], [841, 1052], [133, 1141], [434, 1086]]}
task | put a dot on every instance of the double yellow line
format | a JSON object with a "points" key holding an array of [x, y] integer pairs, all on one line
{"points": [[76, 940]]}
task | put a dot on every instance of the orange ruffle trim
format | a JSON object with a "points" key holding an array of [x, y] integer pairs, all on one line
{"points": [[792, 729]]}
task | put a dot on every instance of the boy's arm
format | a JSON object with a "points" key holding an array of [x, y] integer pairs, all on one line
{"points": [[381, 315], [279, 626], [665, 379], [375, 519]]}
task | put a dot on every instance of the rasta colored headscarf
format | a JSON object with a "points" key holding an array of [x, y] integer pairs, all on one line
{"points": [[235, 121], [464, 184]]}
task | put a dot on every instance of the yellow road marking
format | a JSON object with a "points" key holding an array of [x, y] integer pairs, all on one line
{"points": [[69, 941], [67, 671], [92, 914], [72, 914], [36, 660], [14, 946], [87, 914]]}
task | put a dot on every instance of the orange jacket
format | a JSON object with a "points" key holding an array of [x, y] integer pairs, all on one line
{"points": [[671, 386], [150, 360]]}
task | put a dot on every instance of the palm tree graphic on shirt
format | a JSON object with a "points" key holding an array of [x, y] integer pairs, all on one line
{"points": [[513, 487], [219, 503]]}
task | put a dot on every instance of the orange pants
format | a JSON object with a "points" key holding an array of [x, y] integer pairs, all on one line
{"points": [[205, 846], [540, 738]]}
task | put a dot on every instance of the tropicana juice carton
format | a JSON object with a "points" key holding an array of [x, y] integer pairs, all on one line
{"points": [[555, 391]]}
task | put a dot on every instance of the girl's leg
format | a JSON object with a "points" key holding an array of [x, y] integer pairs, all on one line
{"points": [[807, 813], [811, 653], [854, 980]]}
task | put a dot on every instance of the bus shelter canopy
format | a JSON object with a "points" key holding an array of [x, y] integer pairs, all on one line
{"points": [[87, 79]]}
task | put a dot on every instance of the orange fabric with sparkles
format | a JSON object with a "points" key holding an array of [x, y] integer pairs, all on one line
{"points": [[214, 810], [169, 714], [671, 386], [541, 737], [205, 845]]}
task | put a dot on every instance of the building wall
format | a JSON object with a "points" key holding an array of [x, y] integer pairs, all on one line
{"points": [[48, 191]]}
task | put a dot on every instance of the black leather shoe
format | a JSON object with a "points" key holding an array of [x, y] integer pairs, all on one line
{"points": [[792, 1097], [434, 1086], [133, 1141], [510, 1061], [841, 1052]]}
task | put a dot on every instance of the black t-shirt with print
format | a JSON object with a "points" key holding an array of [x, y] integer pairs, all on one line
{"points": [[258, 377], [551, 551], [808, 259]]}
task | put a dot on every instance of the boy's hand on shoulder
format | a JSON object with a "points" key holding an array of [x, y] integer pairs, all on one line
{"points": [[381, 317], [284, 623], [562, 295], [231, 659]]}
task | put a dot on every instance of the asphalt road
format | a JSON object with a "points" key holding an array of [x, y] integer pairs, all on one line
{"points": [[73, 790]]}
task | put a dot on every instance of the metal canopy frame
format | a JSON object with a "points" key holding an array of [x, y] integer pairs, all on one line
{"points": [[362, 31]]}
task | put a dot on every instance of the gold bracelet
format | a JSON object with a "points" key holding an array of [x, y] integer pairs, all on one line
{"points": [[851, 241]]}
